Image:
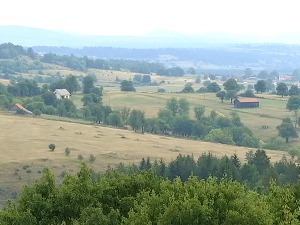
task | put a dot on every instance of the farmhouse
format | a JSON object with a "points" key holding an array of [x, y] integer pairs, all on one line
{"points": [[17, 108], [62, 93], [246, 103]]}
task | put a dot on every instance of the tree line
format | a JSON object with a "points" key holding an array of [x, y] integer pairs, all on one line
{"points": [[131, 194], [11, 51]]}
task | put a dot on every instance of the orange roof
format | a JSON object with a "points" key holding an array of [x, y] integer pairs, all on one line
{"points": [[20, 106], [23, 108], [247, 100]]}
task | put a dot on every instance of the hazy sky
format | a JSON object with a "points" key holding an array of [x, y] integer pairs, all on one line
{"points": [[138, 17]]}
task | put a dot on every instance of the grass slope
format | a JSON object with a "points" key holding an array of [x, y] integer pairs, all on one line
{"points": [[24, 149]]}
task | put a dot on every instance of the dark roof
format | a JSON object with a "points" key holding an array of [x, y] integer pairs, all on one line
{"points": [[247, 100]]}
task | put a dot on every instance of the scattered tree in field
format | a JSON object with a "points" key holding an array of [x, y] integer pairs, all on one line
{"points": [[213, 87], [287, 130], [202, 90], [231, 94], [293, 104], [231, 85], [188, 88], [67, 151], [221, 95], [260, 86], [282, 89], [127, 85], [51, 147]]}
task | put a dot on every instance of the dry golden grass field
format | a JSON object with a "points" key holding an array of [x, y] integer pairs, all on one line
{"points": [[24, 149]]}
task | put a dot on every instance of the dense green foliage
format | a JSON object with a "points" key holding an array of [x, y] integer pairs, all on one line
{"points": [[140, 194]]}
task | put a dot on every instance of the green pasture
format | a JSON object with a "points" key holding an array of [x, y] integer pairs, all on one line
{"points": [[270, 113]]}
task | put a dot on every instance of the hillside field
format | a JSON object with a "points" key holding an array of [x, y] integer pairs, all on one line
{"points": [[24, 149]]}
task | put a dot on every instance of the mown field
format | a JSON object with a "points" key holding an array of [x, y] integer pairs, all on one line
{"points": [[24, 149]]}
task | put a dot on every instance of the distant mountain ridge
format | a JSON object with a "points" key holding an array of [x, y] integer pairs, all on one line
{"points": [[27, 36], [210, 52]]}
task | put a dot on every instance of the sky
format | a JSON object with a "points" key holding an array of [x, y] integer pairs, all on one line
{"points": [[261, 18]]}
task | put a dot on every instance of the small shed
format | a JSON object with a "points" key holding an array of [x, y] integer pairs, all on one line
{"points": [[18, 107], [246, 103], [62, 93]]}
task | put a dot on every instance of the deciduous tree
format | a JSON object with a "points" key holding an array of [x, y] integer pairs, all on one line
{"points": [[282, 89]]}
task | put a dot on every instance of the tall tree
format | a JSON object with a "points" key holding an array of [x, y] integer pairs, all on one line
{"points": [[87, 84], [221, 95], [260, 86], [231, 85], [137, 120], [287, 130], [188, 88], [261, 160], [282, 89], [127, 85], [71, 84], [213, 87], [293, 104], [231, 94]]}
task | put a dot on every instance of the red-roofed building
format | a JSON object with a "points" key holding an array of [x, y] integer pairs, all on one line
{"points": [[246, 103], [18, 107]]}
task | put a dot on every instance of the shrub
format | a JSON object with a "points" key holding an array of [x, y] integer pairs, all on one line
{"points": [[52, 147], [37, 112], [161, 90], [92, 158], [80, 157], [67, 151]]}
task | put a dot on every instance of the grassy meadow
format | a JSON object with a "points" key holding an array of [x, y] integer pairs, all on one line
{"points": [[25, 140]]}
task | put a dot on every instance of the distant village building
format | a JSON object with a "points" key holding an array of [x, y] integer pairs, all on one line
{"points": [[285, 78], [62, 93], [18, 107], [246, 103]]}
